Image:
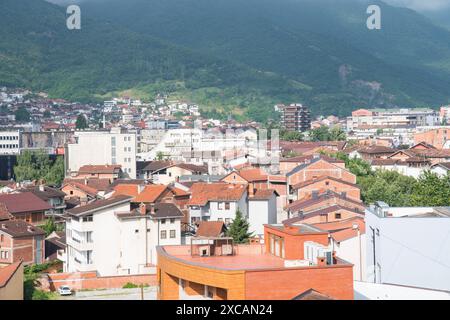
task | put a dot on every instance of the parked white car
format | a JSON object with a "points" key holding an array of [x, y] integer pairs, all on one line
{"points": [[65, 291]]}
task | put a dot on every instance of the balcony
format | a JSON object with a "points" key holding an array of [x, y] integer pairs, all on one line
{"points": [[80, 245], [81, 226]]}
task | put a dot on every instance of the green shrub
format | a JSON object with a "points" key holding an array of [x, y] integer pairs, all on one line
{"points": [[130, 285]]}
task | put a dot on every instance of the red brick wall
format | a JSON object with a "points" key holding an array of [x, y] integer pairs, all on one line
{"points": [[351, 191], [319, 169], [334, 281], [25, 248]]}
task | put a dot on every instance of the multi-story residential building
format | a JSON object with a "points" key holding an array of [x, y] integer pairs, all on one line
{"points": [[392, 117], [293, 261], [10, 142], [396, 124], [178, 143], [295, 117], [444, 115], [21, 241], [217, 202], [408, 246], [116, 147], [114, 238], [439, 137]]}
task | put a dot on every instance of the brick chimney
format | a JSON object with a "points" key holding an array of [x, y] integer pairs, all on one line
{"points": [[152, 208], [321, 261], [142, 209]]}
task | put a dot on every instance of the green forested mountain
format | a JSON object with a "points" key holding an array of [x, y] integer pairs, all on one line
{"points": [[231, 56]]}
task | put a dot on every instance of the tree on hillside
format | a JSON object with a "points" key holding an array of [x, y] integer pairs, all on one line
{"points": [[291, 136], [22, 115], [81, 122], [238, 229]]}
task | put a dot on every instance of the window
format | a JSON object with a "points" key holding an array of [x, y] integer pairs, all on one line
{"points": [[327, 183], [88, 219], [2, 238], [163, 221], [219, 219], [136, 231], [227, 206], [337, 216], [163, 234], [172, 234], [219, 205], [172, 221]]}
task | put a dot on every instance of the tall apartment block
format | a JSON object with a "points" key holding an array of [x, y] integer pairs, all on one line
{"points": [[295, 117]]}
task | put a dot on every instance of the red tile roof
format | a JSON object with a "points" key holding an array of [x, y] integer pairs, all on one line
{"points": [[343, 230], [8, 272], [202, 193], [151, 193], [131, 190], [210, 229], [99, 169], [265, 194], [23, 202], [319, 179]]}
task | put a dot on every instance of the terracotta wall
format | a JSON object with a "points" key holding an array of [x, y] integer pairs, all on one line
{"points": [[89, 280], [336, 282]]}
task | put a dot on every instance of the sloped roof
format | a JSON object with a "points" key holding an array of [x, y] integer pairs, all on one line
{"points": [[150, 193], [202, 193], [23, 202], [100, 169], [47, 193], [322, 178], [20, 228], [6, 273], [343, 230], [210, 229], [264, 194], [98, 205]]}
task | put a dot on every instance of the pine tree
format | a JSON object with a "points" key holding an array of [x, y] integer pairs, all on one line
{"points": [[81, 122], [238, 229]]}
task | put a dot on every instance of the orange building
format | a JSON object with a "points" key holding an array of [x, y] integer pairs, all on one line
{"points": [[325, 183], [436, 137], [319, 167], [294, 260]]}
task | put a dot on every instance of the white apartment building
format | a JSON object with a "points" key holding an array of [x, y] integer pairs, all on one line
{"points": [[393, 117], [262, 209], [102, 148], [176, 142], [408, 246], [112, 238], [9, 142]]}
